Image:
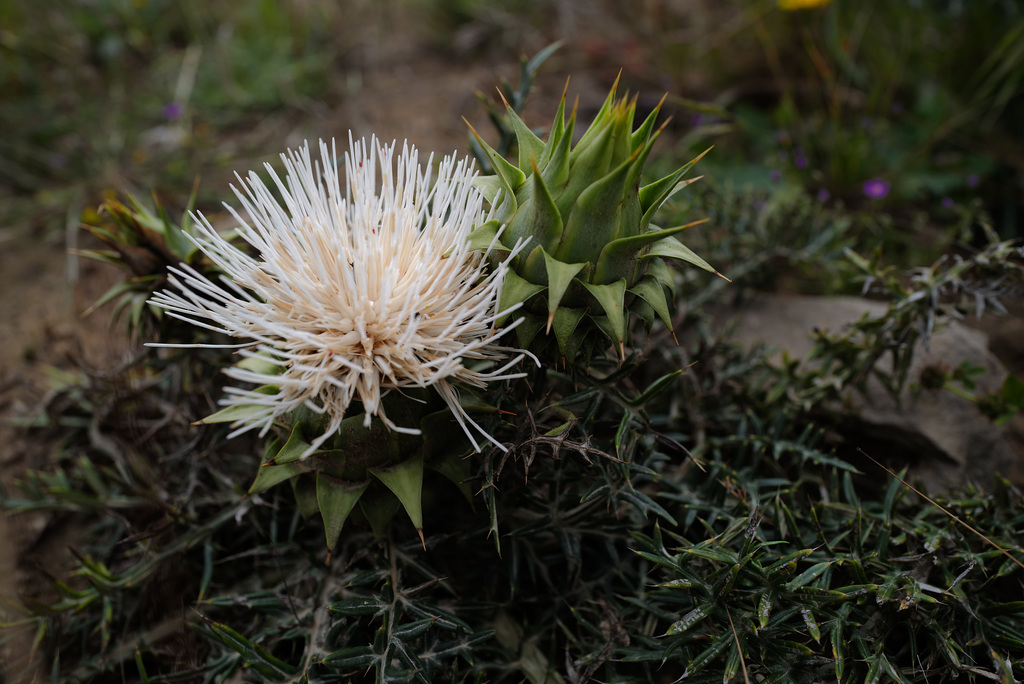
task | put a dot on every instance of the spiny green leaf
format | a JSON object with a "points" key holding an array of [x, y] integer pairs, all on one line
{"points": [[654, 195], [267, 665], [690, 619], [350, 658], [405, 480], [530, 146], [490, 187], [483, 236], [652, 292], [511, 177], [269, 475], [528, 330], [293, 449], [630, 247], [670, 248], [612, 298], [537, 217], [564, 322], [560, 275], [457, 470], [515, 290], [709, 654], [554, 162], [591, 224], [336, 500], [239, 412], [809, 575], [358, 606]]}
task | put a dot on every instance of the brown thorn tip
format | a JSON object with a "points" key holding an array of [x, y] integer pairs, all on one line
{"points": [[502, 96], [419, 531], [551, 318], [472, 130], [701, 155]]}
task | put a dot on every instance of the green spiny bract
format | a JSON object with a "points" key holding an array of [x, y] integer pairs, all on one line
{"points": [[593, 255], [368, 471]]}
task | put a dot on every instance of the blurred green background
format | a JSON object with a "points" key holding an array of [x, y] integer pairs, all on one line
{"points": [[102, 96]]}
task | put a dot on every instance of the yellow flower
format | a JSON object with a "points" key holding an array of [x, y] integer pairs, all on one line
{"points": [[790, 5]]}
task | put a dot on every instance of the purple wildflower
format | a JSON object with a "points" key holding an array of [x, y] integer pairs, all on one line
{"points": [[775, 175], [172, 111], [799, 159], [947, 202], [876, 188], [823, 195], [973, 180]]}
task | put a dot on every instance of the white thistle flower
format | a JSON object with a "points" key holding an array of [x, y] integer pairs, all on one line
{"points": [[354, 292]]}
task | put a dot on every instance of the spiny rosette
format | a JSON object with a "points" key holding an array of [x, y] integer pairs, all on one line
{"points": [[360, 298], [593, 256]]}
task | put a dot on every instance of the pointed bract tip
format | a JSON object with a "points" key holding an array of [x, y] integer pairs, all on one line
{"points": [[701, 155], [551, 319], [698, 222], [565, 90], [471, 129], [423, 542], [503, 100]]}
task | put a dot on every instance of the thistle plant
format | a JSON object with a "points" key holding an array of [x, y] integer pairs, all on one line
{"points": [[712, 531], [593, 255], [359, 299]]}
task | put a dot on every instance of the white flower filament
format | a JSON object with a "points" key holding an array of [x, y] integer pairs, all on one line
{"points": [[352, 295]]}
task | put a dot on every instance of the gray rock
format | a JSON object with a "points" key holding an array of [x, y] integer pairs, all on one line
{"points": [[946, 438]]}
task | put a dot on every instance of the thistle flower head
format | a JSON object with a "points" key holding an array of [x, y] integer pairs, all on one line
{"points": [[354, 291]]}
